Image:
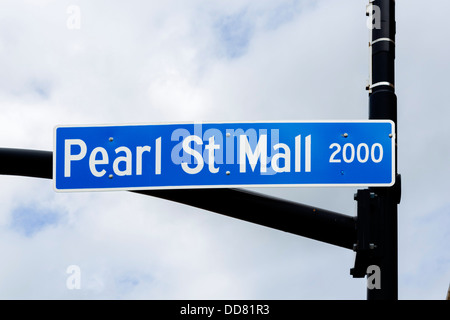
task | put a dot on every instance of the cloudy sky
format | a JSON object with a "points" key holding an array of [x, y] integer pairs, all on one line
{"points": [[114, 62]]}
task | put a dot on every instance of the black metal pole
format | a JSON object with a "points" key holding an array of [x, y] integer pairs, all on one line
{"points": [[299, 219], [383, 105], [26, 162]]}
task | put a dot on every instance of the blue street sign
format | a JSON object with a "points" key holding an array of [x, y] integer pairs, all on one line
{"points": [[213, 155]]}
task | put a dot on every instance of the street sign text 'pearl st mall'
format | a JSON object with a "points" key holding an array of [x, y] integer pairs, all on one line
{"points": [[213, 155]]}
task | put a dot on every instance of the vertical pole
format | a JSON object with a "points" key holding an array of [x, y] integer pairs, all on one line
{"points": [[383, 105]]}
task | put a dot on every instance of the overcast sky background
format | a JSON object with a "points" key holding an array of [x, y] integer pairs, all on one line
{"points": [[198, 60]]}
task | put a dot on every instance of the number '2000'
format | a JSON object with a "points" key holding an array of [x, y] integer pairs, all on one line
{"points": [[361, 153]]}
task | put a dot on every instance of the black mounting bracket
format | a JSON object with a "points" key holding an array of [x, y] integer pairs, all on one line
{"points": [[368, 226]]}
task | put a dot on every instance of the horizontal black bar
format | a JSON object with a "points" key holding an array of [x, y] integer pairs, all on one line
{"points": [[303, 220], [24, 162], [280, 214]]}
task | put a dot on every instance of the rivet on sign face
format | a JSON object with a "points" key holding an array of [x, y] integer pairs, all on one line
{"points": [[345, 135], [390, 135], [110, 176], [111, 138], [228, 134], [228, 173]]}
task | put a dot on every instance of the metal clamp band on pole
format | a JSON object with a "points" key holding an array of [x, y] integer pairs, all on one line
{"points": [[382, 39], [382, 83]]}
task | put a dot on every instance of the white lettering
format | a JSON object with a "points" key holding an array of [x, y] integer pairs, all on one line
{"points": [[194, 153], [308, 154], [298, 153], [211, 146], [286, 156], [158, 156], [127, 159], [260, 152], [139, 152], [68, 156], [93, 161]]}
